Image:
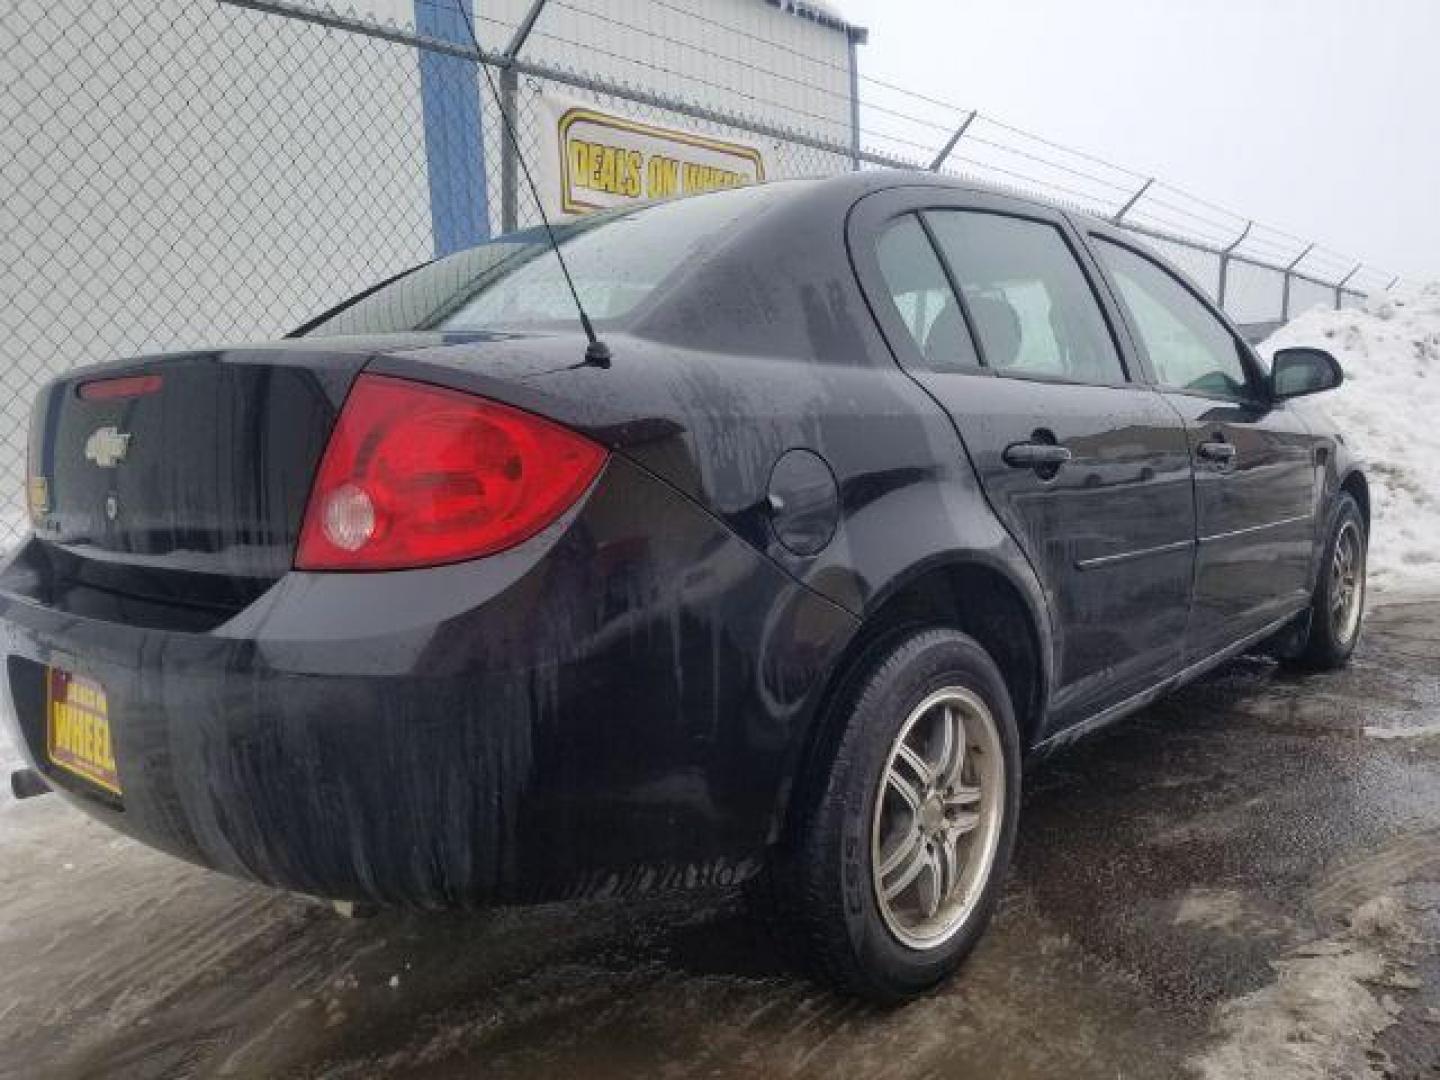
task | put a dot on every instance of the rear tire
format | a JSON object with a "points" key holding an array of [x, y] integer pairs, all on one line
{"points": [[902, 838], [1337, 612]]}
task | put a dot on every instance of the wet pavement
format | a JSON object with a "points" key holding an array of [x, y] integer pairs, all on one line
{"points": [[1241, 881]]}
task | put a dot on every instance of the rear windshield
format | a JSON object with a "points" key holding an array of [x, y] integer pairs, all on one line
{"points": [[617, 260]]}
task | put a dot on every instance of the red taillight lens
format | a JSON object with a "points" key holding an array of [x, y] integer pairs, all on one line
{"points": [[418, 475]]}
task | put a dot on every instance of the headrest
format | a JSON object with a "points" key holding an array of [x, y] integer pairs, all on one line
{"points": [[998, 327], [947, 345]]}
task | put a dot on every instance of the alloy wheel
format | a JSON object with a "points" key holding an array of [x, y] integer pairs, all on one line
{"points": [[1347, 583], [937, 818]]}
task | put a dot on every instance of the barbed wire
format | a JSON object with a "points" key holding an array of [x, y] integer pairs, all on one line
{"points": [[884, 123], [1300, 244], [971, 140]]}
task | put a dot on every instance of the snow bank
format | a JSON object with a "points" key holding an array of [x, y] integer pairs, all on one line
{"points": [[1389, 409]]}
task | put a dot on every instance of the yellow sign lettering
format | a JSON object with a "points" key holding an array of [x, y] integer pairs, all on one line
{"points": [[610, 160]]}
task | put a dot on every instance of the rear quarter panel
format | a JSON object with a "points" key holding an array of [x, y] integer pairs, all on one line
{"points": [[768, 345]]}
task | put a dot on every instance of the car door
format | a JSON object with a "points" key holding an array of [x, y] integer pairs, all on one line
{"points": [[992, 308], [1256, 474]]}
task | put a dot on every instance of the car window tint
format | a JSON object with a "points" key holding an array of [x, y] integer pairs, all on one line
{"points": [[922, 295], [1188, 347], [1031, 304]]}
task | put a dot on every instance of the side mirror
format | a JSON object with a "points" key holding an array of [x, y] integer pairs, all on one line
{"points": [[1297, 372]]}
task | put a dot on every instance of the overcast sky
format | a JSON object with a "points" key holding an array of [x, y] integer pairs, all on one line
{"points": [[1318, 117]]}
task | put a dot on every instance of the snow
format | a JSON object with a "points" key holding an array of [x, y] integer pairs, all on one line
{"points": [[1389, 410], [1319, 1015], [9, 755], [1424, 731]]}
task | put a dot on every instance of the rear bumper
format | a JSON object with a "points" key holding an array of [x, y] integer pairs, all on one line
{"points": [[614, 705]]}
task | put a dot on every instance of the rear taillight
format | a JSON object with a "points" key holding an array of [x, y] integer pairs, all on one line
{"points": [[416, 475]]}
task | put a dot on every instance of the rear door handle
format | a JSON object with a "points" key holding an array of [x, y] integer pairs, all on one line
{"points": [[1033, 455], [1217, 450]]}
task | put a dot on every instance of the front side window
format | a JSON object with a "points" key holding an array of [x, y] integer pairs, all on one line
{"points": [[1189, 349], [1031, 304], [922, 295]]}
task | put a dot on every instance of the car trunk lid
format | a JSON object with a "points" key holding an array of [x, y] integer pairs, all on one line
{"points": [[196, 465]]}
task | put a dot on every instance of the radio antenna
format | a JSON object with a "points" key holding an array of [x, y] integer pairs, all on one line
{"points": [[596, 351]]}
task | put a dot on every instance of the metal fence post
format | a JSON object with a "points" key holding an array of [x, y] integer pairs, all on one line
{"points": [[949, 146], [1290, 270], [509, 87], [509, 83], [1130, 203], [1225, 264], [854, 45], [1340, 286]]}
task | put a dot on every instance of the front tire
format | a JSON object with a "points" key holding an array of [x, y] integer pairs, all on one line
{"points": [[902, 841], [1338, 609]]}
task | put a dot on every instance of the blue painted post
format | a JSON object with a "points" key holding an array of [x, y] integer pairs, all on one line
{"points": [[454, 145]]}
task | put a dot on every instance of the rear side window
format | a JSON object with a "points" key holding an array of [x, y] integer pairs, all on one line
{"points": [[1189, 348], [922, 295], [1031, 304]]}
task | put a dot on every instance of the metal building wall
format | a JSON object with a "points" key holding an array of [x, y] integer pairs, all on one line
{"points": [[745, 56]]}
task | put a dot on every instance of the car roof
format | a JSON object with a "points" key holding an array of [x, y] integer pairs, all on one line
{"points": [[851, 186], [784, 271]]}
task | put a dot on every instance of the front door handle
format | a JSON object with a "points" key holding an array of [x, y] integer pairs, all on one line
{"points": [[1034, 455], [1217, 450]]}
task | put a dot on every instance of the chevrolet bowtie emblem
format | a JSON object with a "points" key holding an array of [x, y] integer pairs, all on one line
{"points": [[106, 447]]}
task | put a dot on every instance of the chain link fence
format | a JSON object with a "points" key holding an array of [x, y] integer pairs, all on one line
{"points": [[188, 172]]}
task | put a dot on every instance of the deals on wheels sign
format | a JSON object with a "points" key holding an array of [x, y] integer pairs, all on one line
{"points": [[593, 160]]}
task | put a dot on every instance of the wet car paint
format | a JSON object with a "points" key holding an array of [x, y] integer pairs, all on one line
{"points": [[485, 752], [623, 703]]}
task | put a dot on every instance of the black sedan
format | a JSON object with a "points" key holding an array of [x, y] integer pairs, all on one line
{"points": [[879, 485]]}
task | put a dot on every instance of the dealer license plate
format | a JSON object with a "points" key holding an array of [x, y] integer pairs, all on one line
{"points": [[77, 728]]}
